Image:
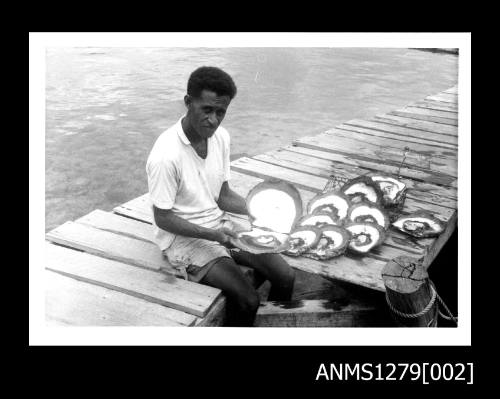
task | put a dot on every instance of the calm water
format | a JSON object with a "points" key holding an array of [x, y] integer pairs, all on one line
{"points": [[105, 107]]}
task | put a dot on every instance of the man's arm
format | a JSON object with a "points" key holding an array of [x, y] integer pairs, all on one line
{"points": [[165, 219], [230, 201]]}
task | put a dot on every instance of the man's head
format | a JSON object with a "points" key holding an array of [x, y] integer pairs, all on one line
{"points": [[209, 92]]}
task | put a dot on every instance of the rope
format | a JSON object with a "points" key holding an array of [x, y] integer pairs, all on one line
{"points": [[426, 309], [414, 315]]}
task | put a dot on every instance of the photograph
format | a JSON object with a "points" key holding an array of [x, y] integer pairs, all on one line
{"points": [[284, 184]]}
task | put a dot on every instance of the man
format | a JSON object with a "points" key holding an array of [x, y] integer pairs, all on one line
{"points": [[188, 177]]}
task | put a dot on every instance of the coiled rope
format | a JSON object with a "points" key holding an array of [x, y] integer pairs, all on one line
{"points": [[428, 307]]}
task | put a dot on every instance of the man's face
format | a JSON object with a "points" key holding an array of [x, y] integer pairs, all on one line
{"points": [[206, 113]]}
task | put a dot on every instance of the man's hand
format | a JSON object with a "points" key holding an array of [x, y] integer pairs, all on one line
{"points": [[223, 236]]}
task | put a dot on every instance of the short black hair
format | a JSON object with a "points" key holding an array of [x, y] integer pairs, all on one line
{"points": [[213, 79]]}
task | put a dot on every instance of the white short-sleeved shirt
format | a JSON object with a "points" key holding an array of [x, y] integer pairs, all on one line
{"points": [[179, 179]]}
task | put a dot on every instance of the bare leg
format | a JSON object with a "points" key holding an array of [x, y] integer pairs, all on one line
{"points": [[274, 268], [243, 299]]}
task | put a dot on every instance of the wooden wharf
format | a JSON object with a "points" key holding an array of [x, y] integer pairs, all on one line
{"points": [[104, 269]]}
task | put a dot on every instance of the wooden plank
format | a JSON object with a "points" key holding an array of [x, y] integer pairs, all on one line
{"points": [[138, 209], [143, 199], [377, 161], [347, 139], [441, 99], [109, 245], [412, 115], [316, 184], [264, 170], [131, 227], [417, 140], [434, 105], [318, 313], [417, 149], [76, 303], [424, 156], [444, 97], [154, 287], [445, 105], [357, 149], [114, 223], [216, 316], [404, 133], [342, 162], [132, 213], [338, 140], [416, 124], [425, 111], [363, 271], [438, 244], [325, 168], [452, 90], [140, 229]]}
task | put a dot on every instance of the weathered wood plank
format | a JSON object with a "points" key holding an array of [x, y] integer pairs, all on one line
{"points": [[444, 97], [337, 140], [417, 149], [114, 223], [434, 105], [73, 302], [152, 286], [318, 313], [136, 227], [362, 271], [416, 124], [132, 213], [342, 162], [216, 316], [423, 156], [425, 111], [264, 171], [412, 115], [109, 245], [138, 209], [404, 133], [376, 162], [438, 244], [324, 168], [452, 90], [316, 184]]}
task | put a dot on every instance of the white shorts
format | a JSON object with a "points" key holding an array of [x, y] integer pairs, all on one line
{"points": [[192, 258]]}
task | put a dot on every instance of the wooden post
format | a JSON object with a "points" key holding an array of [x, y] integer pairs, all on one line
{"points": [[409, 291]]}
